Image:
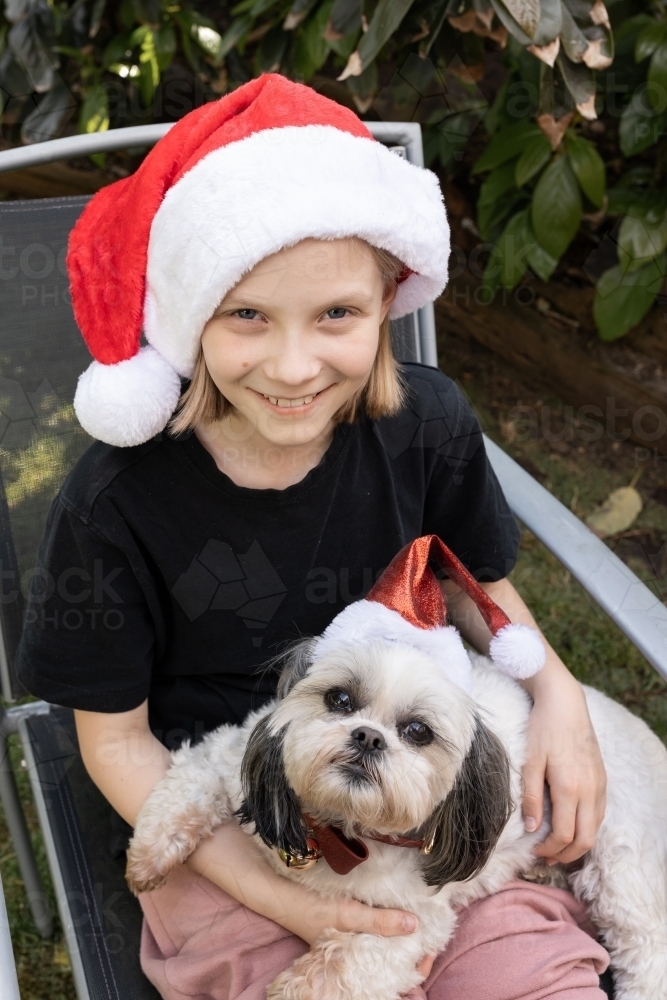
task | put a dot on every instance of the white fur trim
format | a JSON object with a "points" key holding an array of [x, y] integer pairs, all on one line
{"points": [[127, 403], [367, 621], [254, 197], [518, 651]]}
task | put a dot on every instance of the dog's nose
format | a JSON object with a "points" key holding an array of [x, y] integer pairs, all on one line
{"points": [[369, 740]]}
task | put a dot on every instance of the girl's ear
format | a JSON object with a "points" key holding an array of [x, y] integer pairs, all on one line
{"points": [[387, 298], [465, 827], [268, 801]]}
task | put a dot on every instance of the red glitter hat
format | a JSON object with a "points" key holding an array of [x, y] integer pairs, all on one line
{"points": [[407, 605]]}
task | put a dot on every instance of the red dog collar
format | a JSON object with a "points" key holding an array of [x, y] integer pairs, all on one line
{"points": [[341, 853]]}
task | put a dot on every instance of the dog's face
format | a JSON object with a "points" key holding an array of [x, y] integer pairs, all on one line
{"points": [[376, 738]]}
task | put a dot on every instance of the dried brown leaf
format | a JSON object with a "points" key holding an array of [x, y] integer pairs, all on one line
{"points": [[547, 53], [553, 128]]}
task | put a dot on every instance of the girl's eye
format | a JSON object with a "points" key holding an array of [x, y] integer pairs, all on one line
{"points": [[416, 733], [338, 312], [247, 313], [338, 701]]}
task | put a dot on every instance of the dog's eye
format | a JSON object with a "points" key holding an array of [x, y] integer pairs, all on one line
{"points": [[416, 732], [339, 701]]}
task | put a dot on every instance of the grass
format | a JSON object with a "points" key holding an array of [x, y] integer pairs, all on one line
{"points": [[43, 966], [581, 474]]}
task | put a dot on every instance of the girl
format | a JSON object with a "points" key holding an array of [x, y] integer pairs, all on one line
{"points": [[261, 248]]}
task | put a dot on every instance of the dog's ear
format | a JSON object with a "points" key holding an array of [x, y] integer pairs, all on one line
{"points": [[268, 800], [465, 828], [294, 663]]}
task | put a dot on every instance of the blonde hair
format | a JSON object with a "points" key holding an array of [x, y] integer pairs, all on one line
{"points": [[382, 395]]}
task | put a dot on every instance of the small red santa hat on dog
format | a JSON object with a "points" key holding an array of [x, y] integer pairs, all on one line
{"points": [[407, 605], [233, 182]]}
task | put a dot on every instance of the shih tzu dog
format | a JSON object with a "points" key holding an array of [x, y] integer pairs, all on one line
{"points": [[388, 769]]}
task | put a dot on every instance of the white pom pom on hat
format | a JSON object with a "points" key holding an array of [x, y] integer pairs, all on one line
{"points": [[407, 605], [234, 181], [106, 393]]}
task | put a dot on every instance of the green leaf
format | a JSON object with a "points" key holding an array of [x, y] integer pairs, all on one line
{"points": [[48, 119], [209, 41], [620, 200], [507, 262], [550, 23], [261, 6], [496, 113], [556, 207], [642, 237], [147, 11], [639, 128], [297, 13], [513, 249], [312, 49], [511, 23], [536, 154], [96, 15], [271, 50], [623, 299], [542, 263], [165, 46], [499, 181], [94, 115], [386, 18], [344, 47], [506, 144], [580, 81], [149, 68], [117, 49], [574, 41], [526, 13], [235, 32], [648, 40], [631, 27], [125, 14], [491, 219], [588, 167], [345, 16], [656, 78]]}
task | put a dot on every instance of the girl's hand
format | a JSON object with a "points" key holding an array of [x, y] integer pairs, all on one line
{"points": [[231, 860], [563, 751]]}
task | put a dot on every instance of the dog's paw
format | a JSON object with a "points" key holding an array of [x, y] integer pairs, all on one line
{"points": [[152, 857], [343, 966], [142, 872]]}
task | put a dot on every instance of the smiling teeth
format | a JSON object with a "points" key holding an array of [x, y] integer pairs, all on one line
{"points": [[287, 403]]}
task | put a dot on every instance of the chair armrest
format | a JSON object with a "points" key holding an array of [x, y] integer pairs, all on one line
{"points": [[9, 986], [628, 602], [81, 145]]}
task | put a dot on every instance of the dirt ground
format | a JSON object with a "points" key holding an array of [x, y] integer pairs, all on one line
{"points": [[541, 433]]}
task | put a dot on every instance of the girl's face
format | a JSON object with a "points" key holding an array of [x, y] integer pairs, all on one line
{"points": [[297, 337]]}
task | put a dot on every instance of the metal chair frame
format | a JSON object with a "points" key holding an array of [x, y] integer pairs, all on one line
{"points": [[627, 601]]}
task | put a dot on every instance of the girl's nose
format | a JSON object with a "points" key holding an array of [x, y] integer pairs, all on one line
{"points": [[292, 361]]}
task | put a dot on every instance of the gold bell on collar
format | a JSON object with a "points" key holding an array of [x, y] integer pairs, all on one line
{"points": [[301, 862]]}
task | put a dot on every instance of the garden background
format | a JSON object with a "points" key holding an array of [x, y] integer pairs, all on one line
{"points": [[545, 121]]}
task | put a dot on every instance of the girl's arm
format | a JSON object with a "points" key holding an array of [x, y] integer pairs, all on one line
{"points": [[562, 746], [126, 761]]}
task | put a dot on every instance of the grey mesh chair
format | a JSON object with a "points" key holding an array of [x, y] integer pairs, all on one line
{"points": [[41, 356]]}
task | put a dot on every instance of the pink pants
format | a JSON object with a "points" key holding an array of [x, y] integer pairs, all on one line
{"points": [[524, 943]]}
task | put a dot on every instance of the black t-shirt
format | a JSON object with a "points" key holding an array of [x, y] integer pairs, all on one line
{"points": [[159, 578]]}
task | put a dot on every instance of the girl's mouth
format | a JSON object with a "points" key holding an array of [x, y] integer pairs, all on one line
{"points": [[296, 404]]}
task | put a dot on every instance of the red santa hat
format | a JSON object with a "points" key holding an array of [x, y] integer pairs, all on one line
{"points": [[407, 605], [232, 182]]}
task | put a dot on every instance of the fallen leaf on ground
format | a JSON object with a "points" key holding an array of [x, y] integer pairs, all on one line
{"points": [[621, 509]]}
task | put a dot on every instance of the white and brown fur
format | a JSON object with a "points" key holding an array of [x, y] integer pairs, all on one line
{"points": [[462, 788]]}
